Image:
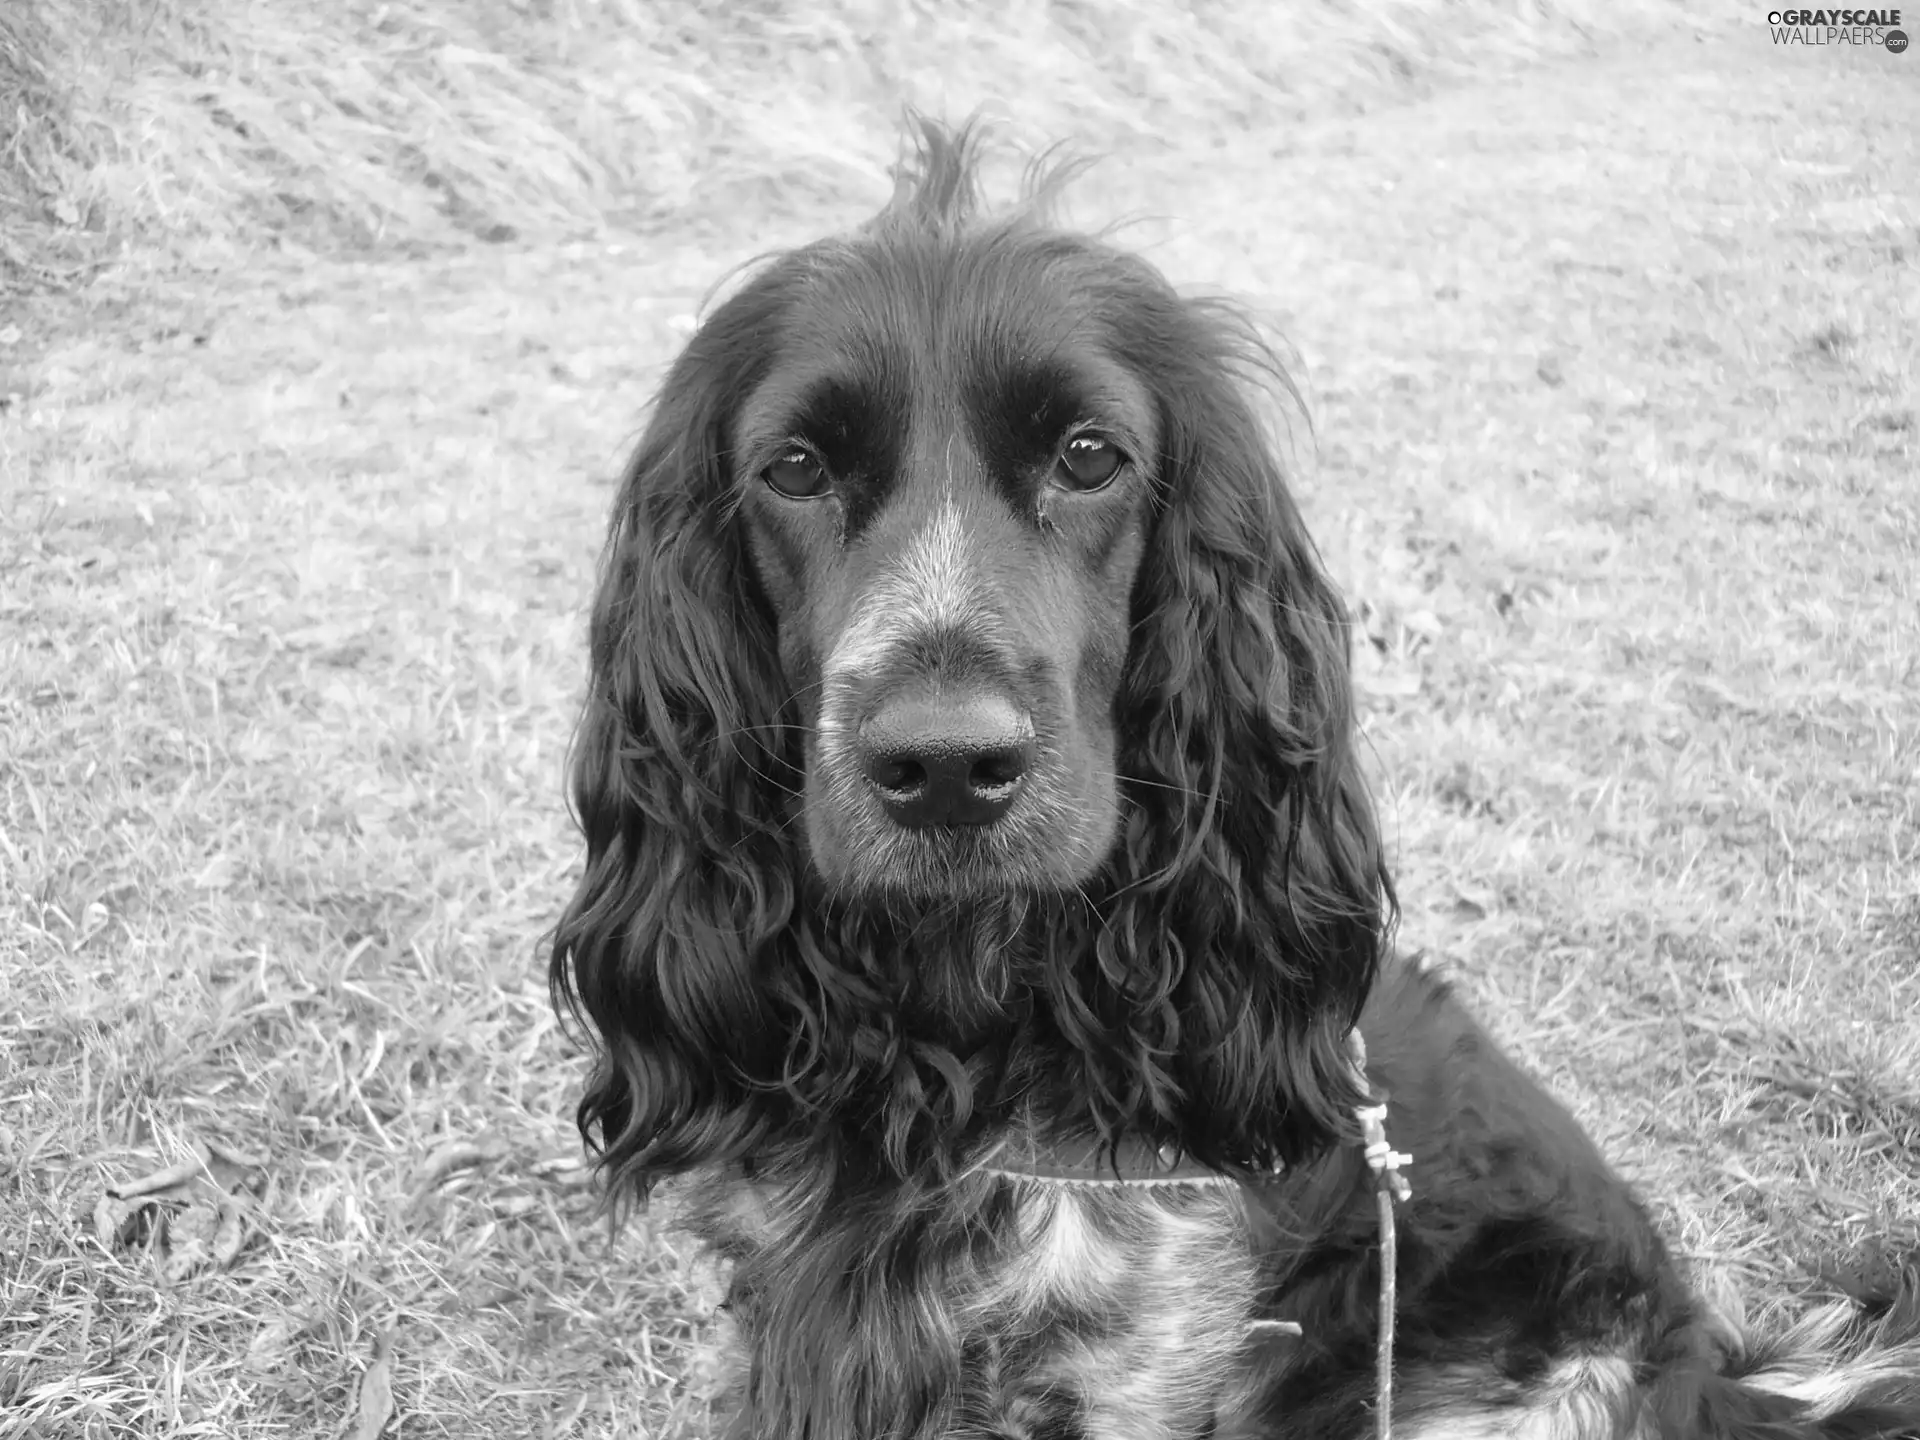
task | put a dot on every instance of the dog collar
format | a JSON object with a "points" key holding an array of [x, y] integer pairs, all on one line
{"points": [[1030, 1155]]}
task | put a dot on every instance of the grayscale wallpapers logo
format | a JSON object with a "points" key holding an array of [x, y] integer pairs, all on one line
{"points": [[1838, 27]]}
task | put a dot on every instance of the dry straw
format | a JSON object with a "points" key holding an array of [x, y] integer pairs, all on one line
{"points": [[361, 126]]}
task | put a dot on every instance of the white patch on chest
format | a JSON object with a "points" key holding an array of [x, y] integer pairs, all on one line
{"points": [[1061, 1260], [1151, 1291]]}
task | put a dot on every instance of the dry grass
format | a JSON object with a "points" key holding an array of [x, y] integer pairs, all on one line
{"points": [[216, 127], [1614, 366]]}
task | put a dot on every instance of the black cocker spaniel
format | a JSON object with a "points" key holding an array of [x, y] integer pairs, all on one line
{"points": [[981, 891]]}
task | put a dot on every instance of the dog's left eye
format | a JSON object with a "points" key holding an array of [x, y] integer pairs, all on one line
{"points": [[797, 475], [1089, 462]]}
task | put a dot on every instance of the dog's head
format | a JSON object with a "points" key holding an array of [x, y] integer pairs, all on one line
{"points": [[955, 577]]}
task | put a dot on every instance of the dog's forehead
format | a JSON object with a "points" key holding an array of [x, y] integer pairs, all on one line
{"points": [[987, 349], [939, 315]]}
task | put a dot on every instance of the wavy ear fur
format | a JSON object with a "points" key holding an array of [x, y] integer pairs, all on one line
{"points": [[1251, 902], [681, 770]]}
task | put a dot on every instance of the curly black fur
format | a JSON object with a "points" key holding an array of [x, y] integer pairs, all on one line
{"points": [[825, 1022], [1197, 989]]}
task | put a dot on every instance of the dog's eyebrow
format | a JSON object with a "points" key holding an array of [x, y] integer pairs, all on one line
{"points": [[851, 420], [1035, 403]]}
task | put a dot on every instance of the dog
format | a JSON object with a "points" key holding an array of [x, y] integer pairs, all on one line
{"points": [[984, 914]]}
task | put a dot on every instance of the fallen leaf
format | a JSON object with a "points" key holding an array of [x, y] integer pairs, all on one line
{"points": [[166, 1178], [193, 1211], [375, 1407]]}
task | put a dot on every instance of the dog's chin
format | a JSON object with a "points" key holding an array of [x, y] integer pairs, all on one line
{"points": [[883, 863]]}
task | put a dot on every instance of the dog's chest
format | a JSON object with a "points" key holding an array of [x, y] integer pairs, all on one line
{"points": [[1024, 1307], [1148, 1295]]}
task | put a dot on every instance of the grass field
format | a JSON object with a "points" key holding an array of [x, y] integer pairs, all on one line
{"points": [[1612, 334]]}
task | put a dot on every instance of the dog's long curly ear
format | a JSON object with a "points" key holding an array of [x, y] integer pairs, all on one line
{"points": [[1253, 894], [679, 762]]}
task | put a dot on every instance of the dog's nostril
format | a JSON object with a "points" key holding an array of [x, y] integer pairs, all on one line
{"points": [[1001, 767], [897, 774]]}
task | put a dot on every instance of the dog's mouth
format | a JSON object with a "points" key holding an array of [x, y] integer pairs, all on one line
{"points": [[1000, 834]]}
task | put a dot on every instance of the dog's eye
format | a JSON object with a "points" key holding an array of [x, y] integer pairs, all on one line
{"points": [[797, 475], [1089, 462]]}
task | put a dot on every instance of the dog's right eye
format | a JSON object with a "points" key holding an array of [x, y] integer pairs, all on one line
{"points": [[1089, 462], [797, 475]]}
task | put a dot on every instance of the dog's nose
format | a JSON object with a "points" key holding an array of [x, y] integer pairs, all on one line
{"points": [[947, 761]]}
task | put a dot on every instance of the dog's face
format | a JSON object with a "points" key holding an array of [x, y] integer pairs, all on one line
{"points": [[944, 474], [957, 636]]}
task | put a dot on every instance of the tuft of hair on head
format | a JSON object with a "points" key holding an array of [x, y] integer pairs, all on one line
{"points": [[936, 182], [938, 187]]}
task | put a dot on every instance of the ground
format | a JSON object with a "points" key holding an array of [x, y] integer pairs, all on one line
{"points": [[1613, 372]]}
